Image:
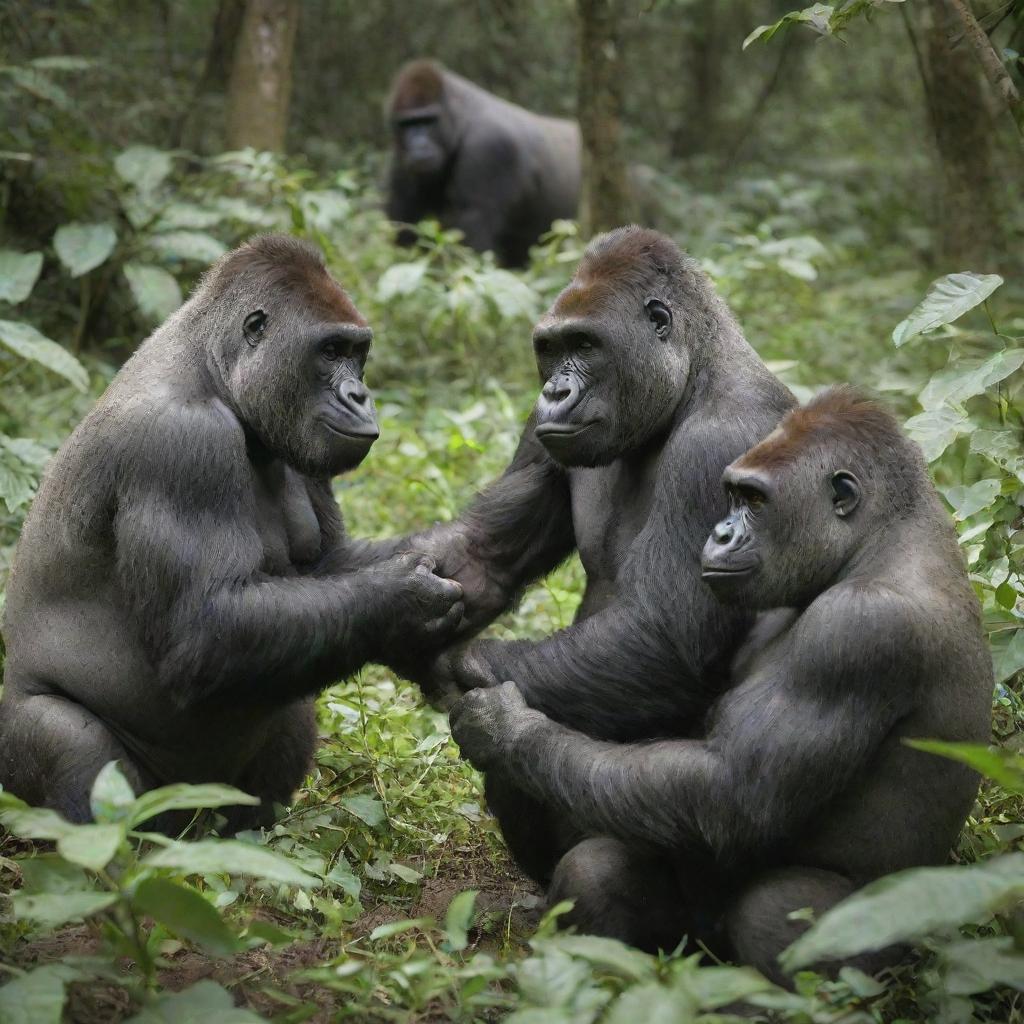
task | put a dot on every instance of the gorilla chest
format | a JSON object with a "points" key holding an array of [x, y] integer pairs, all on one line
{"points": [[610, 506], [285, 520]]}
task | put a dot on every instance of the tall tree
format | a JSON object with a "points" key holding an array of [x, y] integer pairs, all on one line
{"points": [[261, 75], [601, 76]]}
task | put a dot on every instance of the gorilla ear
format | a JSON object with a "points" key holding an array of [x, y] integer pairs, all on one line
{"points": [[660, 315], [845, 493]]}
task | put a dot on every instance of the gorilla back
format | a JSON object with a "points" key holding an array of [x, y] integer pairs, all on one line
{"points": [[183, 582], [497, 172]]}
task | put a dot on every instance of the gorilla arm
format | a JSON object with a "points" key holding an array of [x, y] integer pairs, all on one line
{"points": [[783, 743], [188, 561]]}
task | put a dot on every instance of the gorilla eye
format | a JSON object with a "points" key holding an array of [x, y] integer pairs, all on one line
{"points": [[660, 315], [752, 497], [331, 351], [541, 347], [253, 327]]}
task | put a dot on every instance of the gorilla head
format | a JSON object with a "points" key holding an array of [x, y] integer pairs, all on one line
{"points": [[615, 350], [288, 350], [808, 499], [421, 121]]}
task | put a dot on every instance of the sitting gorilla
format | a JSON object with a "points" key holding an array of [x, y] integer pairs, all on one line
{"points": [[495, 171], [649, 392], [183, 583], [799, 789]]}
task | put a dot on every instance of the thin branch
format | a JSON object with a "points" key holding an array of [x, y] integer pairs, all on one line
{"points": [[990, 61]]}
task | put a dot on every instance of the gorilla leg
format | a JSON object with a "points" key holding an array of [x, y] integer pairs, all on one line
{"points": [[280, 767], [622, 894], [759, 928], [534, 834], [53, 749]]}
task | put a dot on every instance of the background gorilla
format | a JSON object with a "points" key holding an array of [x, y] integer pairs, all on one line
{"points": [[495, 171], [801, 790], [183, 580], [649, 391]]}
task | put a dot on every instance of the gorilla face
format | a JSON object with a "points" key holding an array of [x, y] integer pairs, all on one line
{"points": [[790, 529], [613, 372], [421, 141], [298, 386]]}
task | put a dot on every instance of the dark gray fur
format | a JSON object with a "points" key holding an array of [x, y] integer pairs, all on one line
{"points": [[183, 583], [798, 789], [497, 172]]}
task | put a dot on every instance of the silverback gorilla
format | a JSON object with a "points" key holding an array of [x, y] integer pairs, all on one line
{"points": [[798, 789], [649, 392], [183, 583], [495, 171]]}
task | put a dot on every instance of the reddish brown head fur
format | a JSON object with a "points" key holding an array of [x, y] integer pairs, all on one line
{"points": [[840, 414], [290, 266], [419, 84], [629, 257]]}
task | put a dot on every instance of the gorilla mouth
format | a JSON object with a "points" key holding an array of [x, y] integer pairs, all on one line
{"points": [[712, 572], [562, 431], [365, 433]]}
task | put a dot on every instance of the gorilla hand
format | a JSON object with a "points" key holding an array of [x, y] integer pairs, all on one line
{"points": [[488, 723], [455, 671], [418, 604]]}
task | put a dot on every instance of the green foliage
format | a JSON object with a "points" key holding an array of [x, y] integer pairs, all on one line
{"points": [[824, 19]]}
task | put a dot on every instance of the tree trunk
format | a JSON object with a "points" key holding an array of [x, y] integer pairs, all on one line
{"points": [[605, 191], [261, 75], [970, 235]]}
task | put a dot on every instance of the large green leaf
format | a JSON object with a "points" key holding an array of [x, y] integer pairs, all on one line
{"points": [[36, 997], [188, 245], [34, 822], [112, 797], [947, 299], [83, 247], [53, 909], [184, 796], [231, 857], [366, 808], [606, 954], [185, 913], [155, 291], [400, 279], [18, 478], [91, 846], [968, 500], [818, 17], [143, 166], [653, 1004], [969, 377], [24, 340], [1005, 766], [936, 429], [909, 905], [205, 1002], [1008, 655], [976, 965], [459, 918], [19, 272]]}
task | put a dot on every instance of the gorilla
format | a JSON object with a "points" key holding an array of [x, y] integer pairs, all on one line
{"points": [[183, 583], [497, 172], [649, 391], [798, 789]]}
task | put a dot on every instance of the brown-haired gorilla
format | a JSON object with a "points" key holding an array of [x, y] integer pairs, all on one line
{"points": [[799, 789], [649, 391], [497, 172], [183, 583]]}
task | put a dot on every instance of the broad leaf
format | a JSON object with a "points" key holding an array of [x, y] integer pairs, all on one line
{"points": [[653, 1004], [968, 500], [1008, 656], [143, 166], [947, 299], [366, 808], [36, 997], [51, 910], [34, 822], [91, 846], [400, 279], [188, 245], [459, 918], [969, 377], [818, 17], [510, 295], [976, 965], [1005, 766], [909, 905], [83, 247], [155, 291], [205, 1002], [183, 796], [607, 954], [112, 797], [19, 272], [231, 857], [936, 429], [323, 209], [24, 340], [712, 987], [185, 913]]}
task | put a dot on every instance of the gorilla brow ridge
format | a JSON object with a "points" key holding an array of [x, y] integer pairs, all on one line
{"points": [[282, 264], [845, 416], [419, 84]]}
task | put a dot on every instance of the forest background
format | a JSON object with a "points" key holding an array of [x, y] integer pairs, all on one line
{"points": [[849, 175]]}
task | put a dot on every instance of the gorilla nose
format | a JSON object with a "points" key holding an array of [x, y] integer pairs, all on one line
{"points": [[724, 532], [556, 391], [353, 392]]}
